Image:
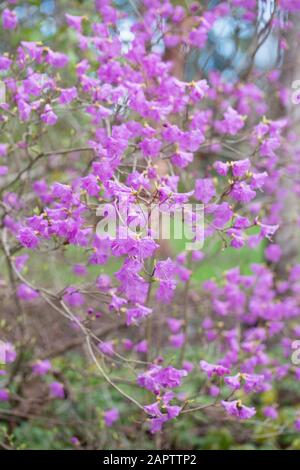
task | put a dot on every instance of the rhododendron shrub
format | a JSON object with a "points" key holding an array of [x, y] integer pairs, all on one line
{"points": [[120, 322]]}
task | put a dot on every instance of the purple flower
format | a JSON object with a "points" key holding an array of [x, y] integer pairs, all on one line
{"points": [[26, 293], [214, 369], [80, 270], [232, 123], [24, 110], [9, 19], [165, 272], [111, 416], [75, 441], [258, 180], [188, 366], [174, 325], [28, 238], [4, 394], [214, 391], [250, 382], [273, 253], [182, 159], [221, 168], [204, 190], [161, 412], [242, 192], [270, 412], [177, 341], [7, 353], [236, 409], [134, 314], [165, 292], [3, 150], [74, 22], [67, 95], [3, 170], [56, 59], [240, 167], [107, 348], [158, 377], [233, 382], [57, 390], [5, 64], [141, 347], [198, 90], [20, 262], [48, 116], [41, 367], [73, 298], [150, 147], [103, 282], [297, 424], [221, 213]]}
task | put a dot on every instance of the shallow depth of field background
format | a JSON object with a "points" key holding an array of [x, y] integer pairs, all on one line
{"points": [[53, 427]]}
